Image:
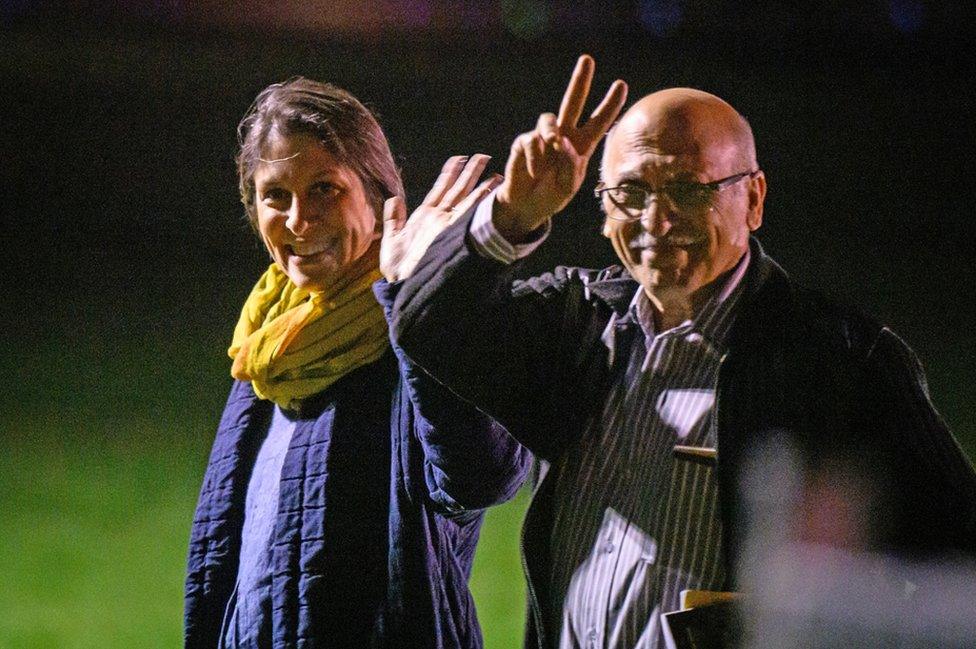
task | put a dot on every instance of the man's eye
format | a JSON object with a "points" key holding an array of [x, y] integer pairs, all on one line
{"points": [[688, 194], [630, 197]]}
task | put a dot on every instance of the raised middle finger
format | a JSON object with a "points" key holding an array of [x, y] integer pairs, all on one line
{"points": [[600, 120]]}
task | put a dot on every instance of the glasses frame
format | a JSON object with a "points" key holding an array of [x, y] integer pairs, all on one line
{"points": [[711, 187]]}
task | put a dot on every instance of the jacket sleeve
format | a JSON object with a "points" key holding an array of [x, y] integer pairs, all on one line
{"points": [[508, 348], [936, 484], [470, 461]]}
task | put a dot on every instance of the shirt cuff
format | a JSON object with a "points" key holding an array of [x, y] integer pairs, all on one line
{"points": [[489, 243]]}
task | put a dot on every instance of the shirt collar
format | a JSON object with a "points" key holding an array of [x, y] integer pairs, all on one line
{"points": [[711, 321]]}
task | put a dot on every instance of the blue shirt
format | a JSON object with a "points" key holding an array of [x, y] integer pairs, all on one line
{"points": [[251, 605]]}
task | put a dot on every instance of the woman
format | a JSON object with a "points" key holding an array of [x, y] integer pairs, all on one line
{"points": [[344, 493]]}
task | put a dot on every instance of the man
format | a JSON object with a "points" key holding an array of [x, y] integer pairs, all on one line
{"points": [[646, 390]]}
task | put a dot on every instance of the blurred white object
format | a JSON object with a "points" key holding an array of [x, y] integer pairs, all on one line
{"points": [[811, 583]]}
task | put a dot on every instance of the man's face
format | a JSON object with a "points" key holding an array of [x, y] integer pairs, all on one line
{"points": [[678, 246], [313, 214]]}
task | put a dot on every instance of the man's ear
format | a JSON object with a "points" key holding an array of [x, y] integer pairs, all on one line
{"points": [[757, 195]]}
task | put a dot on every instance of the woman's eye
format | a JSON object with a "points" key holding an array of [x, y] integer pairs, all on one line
{"points": [[326, 190], [276, 197]]}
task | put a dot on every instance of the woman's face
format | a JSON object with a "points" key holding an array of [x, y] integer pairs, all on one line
{"points": [[312, 212]]}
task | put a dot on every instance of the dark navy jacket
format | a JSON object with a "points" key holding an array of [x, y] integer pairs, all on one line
{"points": [[839, 386], [381, 501]]}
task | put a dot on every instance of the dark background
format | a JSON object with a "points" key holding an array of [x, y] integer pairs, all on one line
{"points": [[127, 256]]}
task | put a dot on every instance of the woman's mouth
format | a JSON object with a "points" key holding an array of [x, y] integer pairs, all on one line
{"points": [[311, 250]]}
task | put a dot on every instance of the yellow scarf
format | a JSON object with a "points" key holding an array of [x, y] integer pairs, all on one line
{"points": [[292, 344]]}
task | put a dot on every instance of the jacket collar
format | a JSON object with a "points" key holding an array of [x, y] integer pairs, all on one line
{"points": [[616, 291]]}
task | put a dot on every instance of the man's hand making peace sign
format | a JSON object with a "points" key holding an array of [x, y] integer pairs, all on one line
{"points": [[544, 171], [547, 165]]}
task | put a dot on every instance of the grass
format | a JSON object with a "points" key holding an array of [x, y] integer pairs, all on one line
{"points": [[104, 452], [496, 580], [93, 546]]}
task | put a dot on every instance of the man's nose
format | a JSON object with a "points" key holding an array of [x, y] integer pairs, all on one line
{"points": [[301, 216], [656, 217]]}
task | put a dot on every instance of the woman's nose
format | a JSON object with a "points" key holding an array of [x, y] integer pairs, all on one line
{"points": [[301, 216]]}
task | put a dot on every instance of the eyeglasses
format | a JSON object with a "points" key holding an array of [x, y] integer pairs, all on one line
{"points": [[686, 198]]}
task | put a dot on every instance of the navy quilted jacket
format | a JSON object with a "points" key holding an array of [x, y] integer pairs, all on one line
{"points": [[382, 496]]}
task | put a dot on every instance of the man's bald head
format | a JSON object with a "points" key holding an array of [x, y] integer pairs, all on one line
{"points": [[685, 120], [668, 152]]}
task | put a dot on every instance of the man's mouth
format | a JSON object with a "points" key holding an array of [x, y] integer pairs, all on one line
{"points": [[644, 241]]}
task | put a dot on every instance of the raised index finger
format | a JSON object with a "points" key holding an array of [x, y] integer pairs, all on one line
{"points": [[576, 92]]}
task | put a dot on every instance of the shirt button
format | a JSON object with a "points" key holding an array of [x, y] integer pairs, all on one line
{"points": [[609, 547], [649, 553], [591, 636]]}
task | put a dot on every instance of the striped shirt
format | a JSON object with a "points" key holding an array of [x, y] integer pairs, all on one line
{"points": [[634, 525]]}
